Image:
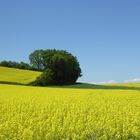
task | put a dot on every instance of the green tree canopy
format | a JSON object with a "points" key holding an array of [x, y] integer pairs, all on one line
{"points": [[63, 66]]}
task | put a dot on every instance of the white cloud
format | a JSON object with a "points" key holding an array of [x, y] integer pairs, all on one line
{"points": [[104, 82], [115, 82], [132, 80]]}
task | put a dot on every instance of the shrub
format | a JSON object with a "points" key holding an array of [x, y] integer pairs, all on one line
{"points": [[46, 78]]}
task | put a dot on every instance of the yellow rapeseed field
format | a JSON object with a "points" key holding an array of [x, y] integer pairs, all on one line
{"points": [[34, 113]]}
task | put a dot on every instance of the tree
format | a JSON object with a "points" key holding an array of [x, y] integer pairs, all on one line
{"points": [[36, 59], [4, 63], [65, 66], [46, 78], [13, 64]]}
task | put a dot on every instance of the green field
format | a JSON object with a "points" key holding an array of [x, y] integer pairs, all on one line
{"points": [[17, 76], [37, 113]]}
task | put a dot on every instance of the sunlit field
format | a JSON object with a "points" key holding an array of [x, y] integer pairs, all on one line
{"points": [[12, 75], [69, 70], [34, 113]]}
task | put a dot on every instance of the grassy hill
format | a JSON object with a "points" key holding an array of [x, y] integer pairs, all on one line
{"points": [[17, 76], [129, 86]]}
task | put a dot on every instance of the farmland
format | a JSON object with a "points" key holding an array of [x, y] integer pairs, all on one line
{"points": [[12, 75], [46, 113]]}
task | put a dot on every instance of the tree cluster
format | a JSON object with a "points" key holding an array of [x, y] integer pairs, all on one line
{"points": [[59, 66], [18, 65]]}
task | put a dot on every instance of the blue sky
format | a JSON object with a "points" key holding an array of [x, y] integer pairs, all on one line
{"points": [[103, 34]]}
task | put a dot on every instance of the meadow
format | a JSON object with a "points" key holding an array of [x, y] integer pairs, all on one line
{"points": [[17, 76], [36, 113]]}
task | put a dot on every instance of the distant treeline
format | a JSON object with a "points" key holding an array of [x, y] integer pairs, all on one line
{"points": [[18, 65]]}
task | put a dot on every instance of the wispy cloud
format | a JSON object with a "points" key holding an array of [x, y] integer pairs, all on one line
{"points": [[104, 82], [132, 80], [115, 82]]}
